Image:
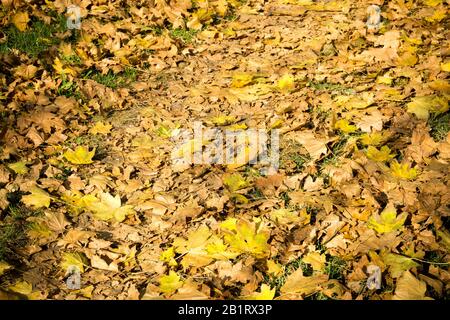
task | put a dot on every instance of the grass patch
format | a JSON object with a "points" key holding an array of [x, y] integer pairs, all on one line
{"points": [[70, 89], [335, 267], [288, 269], [36, 39], [185, 35], [293, 157], [440, 125], [111, 79], [13, 230], [336, 151]]}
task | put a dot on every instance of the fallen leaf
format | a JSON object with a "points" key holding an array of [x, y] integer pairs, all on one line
{"points": [[81, 155]]}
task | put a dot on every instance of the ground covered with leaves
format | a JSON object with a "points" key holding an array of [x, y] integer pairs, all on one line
{"points": [[358, 208]]}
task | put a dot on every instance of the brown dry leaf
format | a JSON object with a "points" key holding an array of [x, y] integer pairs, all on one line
{"points": [[410, 288], [297, 283]]}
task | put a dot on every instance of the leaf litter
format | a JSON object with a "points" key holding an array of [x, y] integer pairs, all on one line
{"points": [[359, 208]]}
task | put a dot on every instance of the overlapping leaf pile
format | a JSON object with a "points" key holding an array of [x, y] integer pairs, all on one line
{"points": [[359, 207]]}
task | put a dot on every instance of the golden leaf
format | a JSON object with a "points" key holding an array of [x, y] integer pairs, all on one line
{"points": [[388, 221], [170, 283], [101, 128], [384, 154], [345, 126], [74, 259], [81, 155], [20, 20], [265, 294], [18, 167], [403, 171], [37, 199], [286, 83]]}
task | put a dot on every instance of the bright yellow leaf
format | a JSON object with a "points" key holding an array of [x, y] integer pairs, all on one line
{"points": [[235, 182], [170, 283], [110, 207], [168, 256], [74, 259], [398, 263], [247, 239], [407, 59], [81, 155], [316, 260], [223, 120], [22, 287], [240, 80], [37, 199], [286, 83], [18, 167], [265, 294], [345, 126], [274, 268], [423, 106], [20, 20], [432, 3], [388, 221], [437, 16], [403, 171], [61, 70], [445, 66], [440, 85], [384, 154], [373, 139]]}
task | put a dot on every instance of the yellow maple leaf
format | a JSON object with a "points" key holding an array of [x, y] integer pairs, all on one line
{"points": [[403, 171], [398, 263], [316, 260], [246, 238], [81, 155], [345, 126], [265, 294], [387, 221], [432, 3], [168, 256], [286, 83], [423, 106], [18, 167], [22, 287], [437, 16], [445, 66], [37, 199], [101, 128], [74, 259], [170, 283], [240, 80], [384, 154], [235, 182], [194, 248], [110, 207], [407, 59], [274, 268], [20, 20], [223, 120], [61, 70], [374, 138], [440, 85], [284, 216]]}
